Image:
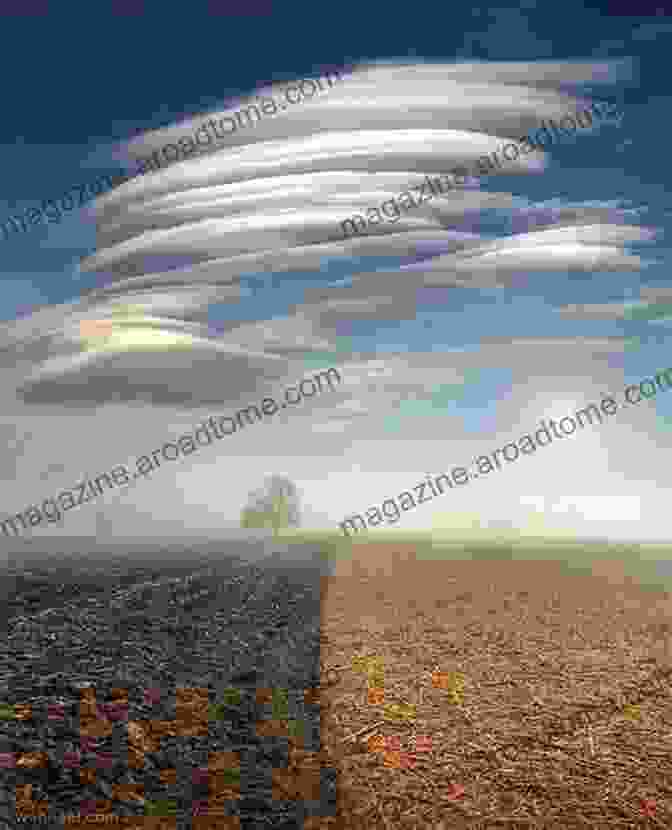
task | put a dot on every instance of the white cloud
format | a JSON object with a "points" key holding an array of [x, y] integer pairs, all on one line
{"points": [[177, 242]]}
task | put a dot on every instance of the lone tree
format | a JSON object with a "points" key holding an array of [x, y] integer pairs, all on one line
{"points": [[275, 505]]}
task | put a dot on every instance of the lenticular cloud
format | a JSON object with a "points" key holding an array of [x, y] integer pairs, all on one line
{"points": [[273, 196], [271, 199]]}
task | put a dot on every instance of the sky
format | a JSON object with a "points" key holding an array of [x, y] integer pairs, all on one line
{"points": [[222, 278]]}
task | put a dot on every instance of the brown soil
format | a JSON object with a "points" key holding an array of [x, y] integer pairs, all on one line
{"points": [[551, 661]]}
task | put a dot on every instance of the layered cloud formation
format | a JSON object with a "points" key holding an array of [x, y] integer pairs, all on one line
{"points": [[165, 335]]}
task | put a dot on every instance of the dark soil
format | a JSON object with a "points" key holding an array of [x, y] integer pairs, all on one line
{"points": [[189, 634]]}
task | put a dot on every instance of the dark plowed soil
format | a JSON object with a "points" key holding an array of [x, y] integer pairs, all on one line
{"points": [[189, 637]]}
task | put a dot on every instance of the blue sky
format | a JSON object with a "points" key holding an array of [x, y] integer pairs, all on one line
{"points": [[77, 96]]}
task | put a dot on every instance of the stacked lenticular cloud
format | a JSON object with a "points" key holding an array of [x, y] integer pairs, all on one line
{"points": [[271, 199]]}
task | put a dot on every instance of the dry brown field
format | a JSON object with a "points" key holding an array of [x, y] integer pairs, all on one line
{"points": [[564, 716]]}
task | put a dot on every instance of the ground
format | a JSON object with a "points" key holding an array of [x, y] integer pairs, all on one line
{"points": [[453, 693], [565, 718]]}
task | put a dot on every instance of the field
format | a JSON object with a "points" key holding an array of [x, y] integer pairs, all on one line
{"points": [[510, 685], [468, 684], [149, 695]]}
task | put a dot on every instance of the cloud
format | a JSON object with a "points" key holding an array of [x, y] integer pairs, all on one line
{"points": [[470, 96], [137, 357]]}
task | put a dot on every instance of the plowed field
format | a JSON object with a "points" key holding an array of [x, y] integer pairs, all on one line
{"points": [[534, 696]]}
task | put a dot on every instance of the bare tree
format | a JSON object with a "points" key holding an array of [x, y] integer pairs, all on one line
{"points": [[275, 505]]}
